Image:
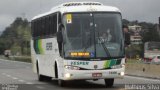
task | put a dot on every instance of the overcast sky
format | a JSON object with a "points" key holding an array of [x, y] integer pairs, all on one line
{"points": [[141, 10]]}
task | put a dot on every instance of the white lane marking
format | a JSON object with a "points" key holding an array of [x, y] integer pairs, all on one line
{"points": [[143, 78], [29, 83], [8, 75], [21, 80], [3, 73], [28, 67], [14, 78], [40, 87]]}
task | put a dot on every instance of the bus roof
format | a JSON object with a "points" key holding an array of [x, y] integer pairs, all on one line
{"points": [[79, 7]]}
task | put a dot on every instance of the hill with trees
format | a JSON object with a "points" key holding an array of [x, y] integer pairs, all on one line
{"points": [[16, 37], [149, 33]]}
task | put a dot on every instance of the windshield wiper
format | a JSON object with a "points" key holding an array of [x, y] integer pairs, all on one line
{"points": [[104, 46]]}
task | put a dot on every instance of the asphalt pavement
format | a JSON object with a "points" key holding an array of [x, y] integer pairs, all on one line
{"points": [[19, 76]]}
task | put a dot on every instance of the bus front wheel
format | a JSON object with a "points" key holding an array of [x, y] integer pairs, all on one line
{"points": [[109, 82], [40, 77]]}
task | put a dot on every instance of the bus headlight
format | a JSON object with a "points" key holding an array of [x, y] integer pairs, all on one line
{"points": [[117, 66], [71, 67], [67, 75], [122, 73]]}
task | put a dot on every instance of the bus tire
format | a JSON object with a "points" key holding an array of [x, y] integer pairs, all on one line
{"points": [[40, 77], [61, 83], [109, 82], [56, 71]]}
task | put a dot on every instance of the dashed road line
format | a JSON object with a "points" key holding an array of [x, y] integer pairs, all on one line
{"points": [[29, 83], [8, 75], [40, 87], [3, 73], [21, 80], [14, 78], [28, 67]]}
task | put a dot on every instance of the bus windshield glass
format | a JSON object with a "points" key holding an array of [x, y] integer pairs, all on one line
{"points": [[93, 35]]}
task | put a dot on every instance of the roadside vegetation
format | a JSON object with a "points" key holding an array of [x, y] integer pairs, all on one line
{"points": [[148, 33], [16, 38]]}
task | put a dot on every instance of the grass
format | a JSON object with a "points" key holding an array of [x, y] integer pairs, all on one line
{"points": [[133, 61]]}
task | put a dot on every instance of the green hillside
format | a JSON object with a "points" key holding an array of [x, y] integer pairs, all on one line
{"points": [[16, 37]]}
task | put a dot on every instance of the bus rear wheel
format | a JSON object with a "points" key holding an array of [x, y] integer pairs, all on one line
{"points": [[41, 78], [109, 82], [61, 83]]}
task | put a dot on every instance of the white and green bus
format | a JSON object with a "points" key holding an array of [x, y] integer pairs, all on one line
{"points": [[78, 41]]}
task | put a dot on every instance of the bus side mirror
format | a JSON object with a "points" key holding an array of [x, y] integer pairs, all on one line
{"points": [[59, 37], [59, 34]]}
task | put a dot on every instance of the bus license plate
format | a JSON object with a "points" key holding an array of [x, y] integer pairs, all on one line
{"points": [[96, 74]]}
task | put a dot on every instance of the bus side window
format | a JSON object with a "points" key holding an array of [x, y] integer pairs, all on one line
{"points": [[35, 31], [39, 28], [46, 26], [43, 26], [53, 24], [32, 28], [49, 25]]}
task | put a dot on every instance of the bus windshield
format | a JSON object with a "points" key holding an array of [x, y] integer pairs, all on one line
{"points": [[93, 35]]}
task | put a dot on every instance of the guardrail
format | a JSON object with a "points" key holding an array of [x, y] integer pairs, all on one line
{"points": [[143, 69]]}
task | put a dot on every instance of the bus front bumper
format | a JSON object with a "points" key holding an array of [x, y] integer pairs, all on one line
{"points": [[93, 74]]}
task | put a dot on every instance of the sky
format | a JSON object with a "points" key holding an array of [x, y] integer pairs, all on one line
{"points": [[141, 10]]}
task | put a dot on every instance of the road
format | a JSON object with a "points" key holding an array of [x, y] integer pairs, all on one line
{"points": [[19, 75]]}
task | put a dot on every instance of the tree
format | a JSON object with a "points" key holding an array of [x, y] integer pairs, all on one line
{"points": [[150, 34], [16, 36]]}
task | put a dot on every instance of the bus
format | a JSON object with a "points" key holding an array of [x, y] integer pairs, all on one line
{"points": [[68, 43], [151, 49]]}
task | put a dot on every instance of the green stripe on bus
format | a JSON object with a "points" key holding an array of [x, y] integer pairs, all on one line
{"points": [[106, 64], [40, 46], [109, 63], [37, 50], [118, 62], [113, 62]]}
